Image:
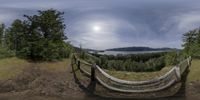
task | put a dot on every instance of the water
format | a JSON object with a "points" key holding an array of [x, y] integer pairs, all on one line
{"points": [[126, 52]]}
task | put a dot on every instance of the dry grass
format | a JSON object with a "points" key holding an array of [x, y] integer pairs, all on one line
{"points": [[194, 74], [54, 66], [11, 67]]}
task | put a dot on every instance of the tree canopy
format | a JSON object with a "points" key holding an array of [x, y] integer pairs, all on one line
{"points": [[191, 44], [38, 37]]}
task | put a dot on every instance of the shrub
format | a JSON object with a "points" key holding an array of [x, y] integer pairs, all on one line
{"points": [[5, 53]]}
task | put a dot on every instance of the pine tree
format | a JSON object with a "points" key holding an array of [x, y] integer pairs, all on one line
{"points": [[15, 35], [189, 40], [192, 43], [38, 37], [45, 36], [2, 30]]}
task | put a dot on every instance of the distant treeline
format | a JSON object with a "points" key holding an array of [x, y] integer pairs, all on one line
{"points": [[147, 62], [36, 37]]}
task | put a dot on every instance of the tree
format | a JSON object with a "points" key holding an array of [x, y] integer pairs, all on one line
{"points": [[39, 37], [4, 51], [189, 40], [191, 44], [45, 35], [15, 36], [2, 30]]}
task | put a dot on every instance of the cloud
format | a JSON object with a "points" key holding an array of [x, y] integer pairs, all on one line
{"points": [[107, 37], [154, 23], [189, 21]]}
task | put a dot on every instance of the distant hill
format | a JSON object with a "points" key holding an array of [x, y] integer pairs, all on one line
{"points": [[140, 49], [86, 49]]}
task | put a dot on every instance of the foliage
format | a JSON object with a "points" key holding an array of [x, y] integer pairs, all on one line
{"points": [[171, 58], [15, 37], [191, 44], [2, 29], [39, 37], [147, 62], [133, 63], [5, 53]]}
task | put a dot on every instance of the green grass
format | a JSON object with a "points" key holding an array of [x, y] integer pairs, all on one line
{"points": [[11, 67], [139, 76], [194, 74]]}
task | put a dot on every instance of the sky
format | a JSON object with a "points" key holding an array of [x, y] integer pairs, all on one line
{"points": [[103, 24]]}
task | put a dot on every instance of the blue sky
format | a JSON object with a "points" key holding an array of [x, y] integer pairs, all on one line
{"points": [[102, 24]]}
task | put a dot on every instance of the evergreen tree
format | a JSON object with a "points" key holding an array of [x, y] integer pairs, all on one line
{"points": [[2, 30], [189, 40], [38, 37], [192, 43], [44, 36], [15, 35]]}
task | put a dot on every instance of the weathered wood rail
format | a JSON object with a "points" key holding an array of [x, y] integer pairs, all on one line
{"points": [[115, 84]]}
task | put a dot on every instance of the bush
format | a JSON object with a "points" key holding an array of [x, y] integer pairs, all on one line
{"points": [[174, 57], [5, 53]]}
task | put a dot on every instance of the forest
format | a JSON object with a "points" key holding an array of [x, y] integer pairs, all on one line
{"points": [[146, 62]]}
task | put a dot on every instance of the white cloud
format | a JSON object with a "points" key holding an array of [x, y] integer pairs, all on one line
{"points": [[105, 38], [6, 16], [123, 23], [189, 21]]}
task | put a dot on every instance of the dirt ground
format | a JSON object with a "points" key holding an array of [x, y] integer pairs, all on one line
{"points": [[40, 84]]}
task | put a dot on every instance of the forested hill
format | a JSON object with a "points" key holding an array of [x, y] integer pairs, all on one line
{"points": [[140, 49]]}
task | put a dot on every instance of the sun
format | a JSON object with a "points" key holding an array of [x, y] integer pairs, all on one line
{"points": [[96, 28]]}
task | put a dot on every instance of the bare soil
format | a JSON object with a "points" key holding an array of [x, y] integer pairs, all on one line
{"points": [[38, 83]]}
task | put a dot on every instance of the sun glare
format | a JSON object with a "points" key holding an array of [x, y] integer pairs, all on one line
{"points": [[96, 28]]}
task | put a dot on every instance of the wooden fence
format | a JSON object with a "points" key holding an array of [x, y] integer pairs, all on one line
{"points": [[112, 83]]}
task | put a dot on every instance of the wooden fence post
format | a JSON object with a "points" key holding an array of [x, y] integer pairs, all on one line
{"points": [[190, 60], [78, 64], [178, 72], [74, 59], [93, 73]]}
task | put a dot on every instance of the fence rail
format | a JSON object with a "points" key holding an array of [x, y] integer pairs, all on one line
{"points": [[113, 83]]}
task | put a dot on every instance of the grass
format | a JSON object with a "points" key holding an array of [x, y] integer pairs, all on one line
{"points": [[11, 67], [54, 66], [194, 74], [139, 76]]}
